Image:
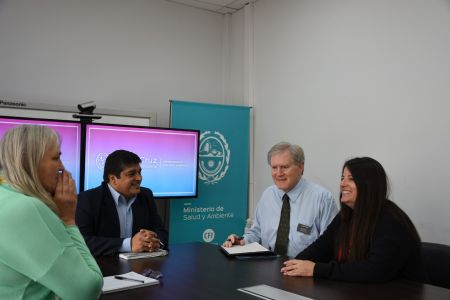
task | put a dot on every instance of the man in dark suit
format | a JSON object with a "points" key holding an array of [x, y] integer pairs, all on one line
{"points": [[120, 215]]}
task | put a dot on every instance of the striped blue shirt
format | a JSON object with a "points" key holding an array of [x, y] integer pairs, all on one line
{"points": [[125, 213], [312, 209]]}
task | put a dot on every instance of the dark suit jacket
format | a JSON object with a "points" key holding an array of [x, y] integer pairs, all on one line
{"points": [[393, 253], [98, 221]]}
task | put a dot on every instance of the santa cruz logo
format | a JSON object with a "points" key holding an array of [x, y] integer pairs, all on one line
{"points": [[100, 160], [214, 157]]}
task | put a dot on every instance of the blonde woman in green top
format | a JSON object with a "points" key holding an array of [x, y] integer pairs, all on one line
{"points": [[42, 253]]}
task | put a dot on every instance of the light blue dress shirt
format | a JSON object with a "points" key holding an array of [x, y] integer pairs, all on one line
{"points": [[125, 214], [312, 209]]}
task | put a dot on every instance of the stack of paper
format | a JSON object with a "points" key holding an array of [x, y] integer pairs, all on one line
{"points": [[126, 281], [134, 255], [252, 248], [270, 293]]}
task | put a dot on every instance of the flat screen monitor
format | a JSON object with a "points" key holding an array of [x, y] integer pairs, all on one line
{"points": [[69, 132], [169, 156]]}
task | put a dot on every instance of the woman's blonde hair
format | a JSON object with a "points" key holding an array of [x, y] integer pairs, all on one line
{"points": [[21, 150]]}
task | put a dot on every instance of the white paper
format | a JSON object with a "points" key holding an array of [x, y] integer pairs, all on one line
{"points": [[135, 255], [111, 284], [267, 292], [247, 248]]}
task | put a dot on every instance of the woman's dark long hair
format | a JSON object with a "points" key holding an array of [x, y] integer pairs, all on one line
{"points": [[358, 224]]}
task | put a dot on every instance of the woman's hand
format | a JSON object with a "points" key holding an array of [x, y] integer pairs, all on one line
{"points": [[295, 267], [66, 198]]}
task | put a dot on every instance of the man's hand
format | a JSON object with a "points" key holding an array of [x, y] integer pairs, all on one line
{"points": [[145, 241], [233, 240], [296, 267]]}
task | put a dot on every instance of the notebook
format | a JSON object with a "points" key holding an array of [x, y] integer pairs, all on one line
{"points": [[247, 249], [268, 292], [135, 255], [130, 280]]}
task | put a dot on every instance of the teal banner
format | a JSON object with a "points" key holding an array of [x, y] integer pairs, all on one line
{"points": [[221, 206]]}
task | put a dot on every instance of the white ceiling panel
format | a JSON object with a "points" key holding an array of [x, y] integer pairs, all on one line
{"points": [[217, 6], [238, 4]]}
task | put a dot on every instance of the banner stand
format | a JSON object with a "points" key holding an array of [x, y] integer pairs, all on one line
{"points": [[221, 206]]}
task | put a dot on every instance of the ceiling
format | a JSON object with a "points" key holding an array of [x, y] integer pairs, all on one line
{"points": [[217, 6]]}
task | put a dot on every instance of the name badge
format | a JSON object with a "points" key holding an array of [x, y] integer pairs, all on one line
{"points": [[304, 229]]}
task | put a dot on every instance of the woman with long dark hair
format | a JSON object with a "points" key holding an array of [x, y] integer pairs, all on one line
{"points": [[370, 240]]}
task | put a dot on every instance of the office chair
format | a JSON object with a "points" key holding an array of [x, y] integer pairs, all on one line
{"points": [[436, 261]]}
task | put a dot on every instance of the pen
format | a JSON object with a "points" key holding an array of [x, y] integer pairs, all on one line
{"points": [[238, 238], [126, 278]]}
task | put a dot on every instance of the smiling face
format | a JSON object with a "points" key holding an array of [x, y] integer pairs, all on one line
{"points": [[49, 167], [348, 189], [285, 173], [128, 184]]}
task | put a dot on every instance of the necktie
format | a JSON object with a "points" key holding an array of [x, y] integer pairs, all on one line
{"points": [[283, 227]]}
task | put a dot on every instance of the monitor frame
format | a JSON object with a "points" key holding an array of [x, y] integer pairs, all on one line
{"points": [[48, 122], [157, 194]]}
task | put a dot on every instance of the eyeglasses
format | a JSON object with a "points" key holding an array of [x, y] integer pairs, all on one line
{"points": [[152, 273]]}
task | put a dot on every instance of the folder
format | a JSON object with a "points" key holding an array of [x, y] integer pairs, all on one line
{"points": [[136, 255], [130, 280], [252, 249], [268, 292]]}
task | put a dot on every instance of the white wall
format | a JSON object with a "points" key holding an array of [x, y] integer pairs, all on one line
{"points": [[133, 55], [237, 62], [342, 78], [347, 78]]}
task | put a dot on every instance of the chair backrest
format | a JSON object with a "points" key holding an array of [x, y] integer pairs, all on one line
{"points": [[436, 260]]}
